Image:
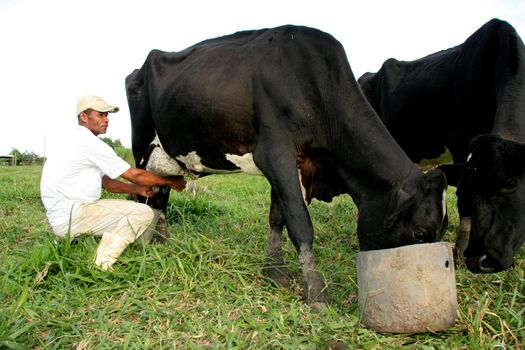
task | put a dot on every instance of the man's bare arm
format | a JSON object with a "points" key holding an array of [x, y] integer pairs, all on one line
{"points": [[146, 178], [116, 186]]}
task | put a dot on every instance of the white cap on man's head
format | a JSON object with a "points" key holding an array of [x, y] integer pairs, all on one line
{"points": [[94, 102]]}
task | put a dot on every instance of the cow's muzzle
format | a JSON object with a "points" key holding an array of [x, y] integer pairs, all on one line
{"points": [[483, 264]]}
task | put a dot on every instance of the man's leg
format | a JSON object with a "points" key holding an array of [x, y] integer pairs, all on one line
{"points": [[119, 222]]}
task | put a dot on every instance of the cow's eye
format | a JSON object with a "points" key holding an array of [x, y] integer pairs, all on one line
{"points": [[470, 167], [509, 185], [419, 235]]}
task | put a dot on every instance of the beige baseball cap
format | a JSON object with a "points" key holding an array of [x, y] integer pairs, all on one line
{"points": [[94, 102]]}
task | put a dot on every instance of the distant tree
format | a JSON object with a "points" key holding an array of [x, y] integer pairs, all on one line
{"points": [[113, 143], [15, 152], [26, 158], [31, 158], [120, 149]]}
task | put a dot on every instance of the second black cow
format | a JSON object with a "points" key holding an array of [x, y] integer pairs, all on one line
{"points": [[284, 103], [469, 99]]}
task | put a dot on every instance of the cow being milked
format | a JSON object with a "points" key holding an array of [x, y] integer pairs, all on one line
{"points": [[284, 103], [469, 99]]}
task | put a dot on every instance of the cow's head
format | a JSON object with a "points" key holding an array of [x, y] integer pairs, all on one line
{"points": [[493, 185], [414, 212]]}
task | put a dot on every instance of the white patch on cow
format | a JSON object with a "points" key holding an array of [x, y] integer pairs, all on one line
{"points": [[303, 190], [161, 163], [468, 157], [444, 203], [193, 162], [245, 163]]}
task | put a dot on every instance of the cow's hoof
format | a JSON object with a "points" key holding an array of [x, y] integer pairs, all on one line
{"points": [[314, 289], [163, 238], [319, 307], [280, 275], [163, 235], [337, 345]]}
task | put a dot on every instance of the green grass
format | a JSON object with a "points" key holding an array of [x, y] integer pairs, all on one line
{"points": [[204, 289]]}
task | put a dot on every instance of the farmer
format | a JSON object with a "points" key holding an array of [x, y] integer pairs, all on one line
{"points": [[72, 179]]}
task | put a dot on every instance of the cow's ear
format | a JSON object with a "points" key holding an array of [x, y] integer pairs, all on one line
{"points": [[435, 180], [432, 181], [404, 202]]}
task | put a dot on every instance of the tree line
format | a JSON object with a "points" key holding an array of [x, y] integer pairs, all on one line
{"points": [[31, 158]]}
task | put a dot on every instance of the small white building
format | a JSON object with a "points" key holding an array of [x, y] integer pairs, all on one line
{"points": [[8, 160]]}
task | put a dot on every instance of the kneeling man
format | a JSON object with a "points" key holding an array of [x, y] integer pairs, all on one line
{"points": [[72, 180]]}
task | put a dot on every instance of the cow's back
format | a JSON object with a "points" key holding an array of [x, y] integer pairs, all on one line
{"points": [[214, 88], [446, 98]]}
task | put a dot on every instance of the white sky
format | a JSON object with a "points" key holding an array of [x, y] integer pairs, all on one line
{"points": [[54, 51]]}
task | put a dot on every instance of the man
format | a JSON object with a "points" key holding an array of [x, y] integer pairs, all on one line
{"points": [[72, 181]]}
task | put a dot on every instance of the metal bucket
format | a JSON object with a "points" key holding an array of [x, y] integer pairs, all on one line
{"points": [[410, 289]]}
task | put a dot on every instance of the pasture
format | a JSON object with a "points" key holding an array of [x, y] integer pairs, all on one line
{"points": [[205, 290]]}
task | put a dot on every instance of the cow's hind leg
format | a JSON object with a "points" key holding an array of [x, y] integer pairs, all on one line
{"points": [[275, 266]]}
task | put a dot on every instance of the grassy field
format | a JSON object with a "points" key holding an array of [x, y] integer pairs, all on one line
{"points": [[204, 289]]}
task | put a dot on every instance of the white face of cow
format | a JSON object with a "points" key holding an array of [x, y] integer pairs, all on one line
{"points": [[161, 163]]}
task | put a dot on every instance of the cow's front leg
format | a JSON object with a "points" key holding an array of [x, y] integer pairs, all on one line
{"points": [[464, 202], [275, 266], [314, 290], [300, 230], [281, 171]]}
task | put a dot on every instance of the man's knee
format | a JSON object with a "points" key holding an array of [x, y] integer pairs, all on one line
{"points": [[145, 213]]}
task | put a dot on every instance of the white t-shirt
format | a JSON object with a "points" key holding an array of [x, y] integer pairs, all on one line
{"points": [[73, 175]]}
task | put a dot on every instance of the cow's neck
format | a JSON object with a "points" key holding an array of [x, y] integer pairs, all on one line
{"points": [[510, 94], [373, 161], [511, 110]]}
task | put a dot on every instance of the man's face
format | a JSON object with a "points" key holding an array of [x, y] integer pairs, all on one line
{"points": [[95, 121]]}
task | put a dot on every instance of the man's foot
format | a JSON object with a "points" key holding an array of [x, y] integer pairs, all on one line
{"points": [[109, 249]]}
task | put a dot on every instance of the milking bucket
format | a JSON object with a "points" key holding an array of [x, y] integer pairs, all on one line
{"points": [[410, 289]]}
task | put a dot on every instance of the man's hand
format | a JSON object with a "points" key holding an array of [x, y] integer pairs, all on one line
{"points": [[178, 183], [116, 186], [146, 191], [143, 177]]}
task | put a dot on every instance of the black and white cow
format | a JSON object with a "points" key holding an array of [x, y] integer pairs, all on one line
{"points": [[284, 103], [469, 99]]}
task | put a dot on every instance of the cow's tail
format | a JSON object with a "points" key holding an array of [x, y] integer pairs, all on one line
{"points": [[143, 128], [142, 125]]}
